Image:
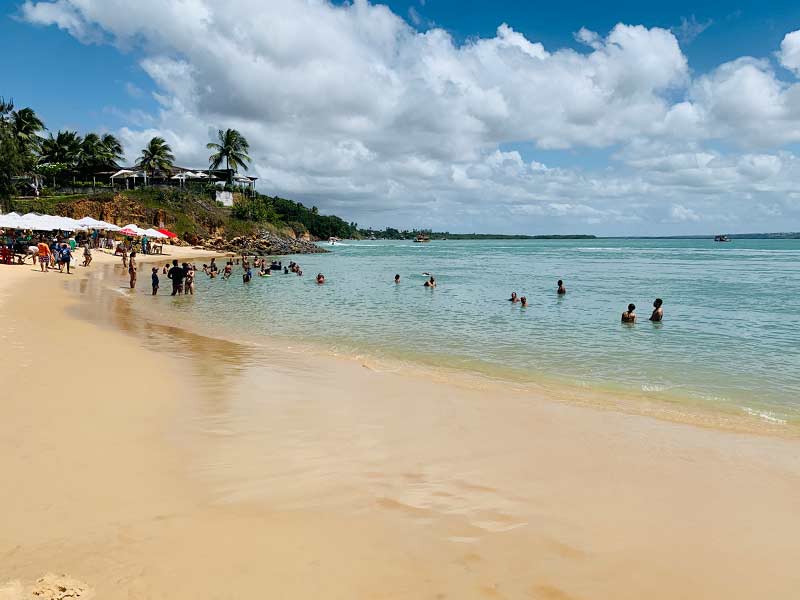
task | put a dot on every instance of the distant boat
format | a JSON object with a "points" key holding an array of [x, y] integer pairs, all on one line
{"points": [[721, 238], [422, 239], [332, 240]]}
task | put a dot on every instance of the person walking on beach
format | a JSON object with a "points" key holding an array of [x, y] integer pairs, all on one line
{"points": [[87, 255], [132, 269], [176, 276], [43, 255], [154, 279], [66, 257], [658, 312], [629, 316], [124, 255], [561, 289]]}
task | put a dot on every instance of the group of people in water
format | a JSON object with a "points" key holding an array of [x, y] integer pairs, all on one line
{"points": [[183, 276], [628, 316]]}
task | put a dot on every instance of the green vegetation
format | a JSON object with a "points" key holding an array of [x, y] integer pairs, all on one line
{"points": [[281, 212]]}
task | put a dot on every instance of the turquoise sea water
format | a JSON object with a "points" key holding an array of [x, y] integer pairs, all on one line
{"points": [[730, 336]]}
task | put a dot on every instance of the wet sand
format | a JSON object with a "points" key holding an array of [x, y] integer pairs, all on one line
{"points": [[149, 462]]}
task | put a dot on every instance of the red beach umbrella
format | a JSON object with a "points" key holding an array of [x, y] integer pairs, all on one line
{"points": [[128, 232], [167, 233]]}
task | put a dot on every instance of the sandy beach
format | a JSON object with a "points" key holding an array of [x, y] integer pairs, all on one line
{"points": [[143, 461]]}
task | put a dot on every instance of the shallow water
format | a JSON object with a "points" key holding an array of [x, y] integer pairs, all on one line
{"points": [[729, 338]]}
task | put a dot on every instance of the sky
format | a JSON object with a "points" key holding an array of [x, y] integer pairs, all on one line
{"points": [[609, 118]]}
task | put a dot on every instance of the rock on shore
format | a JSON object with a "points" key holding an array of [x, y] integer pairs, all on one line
{"points": [[262, 243]]}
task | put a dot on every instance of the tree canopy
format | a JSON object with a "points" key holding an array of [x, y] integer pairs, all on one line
{"points": [[232, 148], [156, 156]]}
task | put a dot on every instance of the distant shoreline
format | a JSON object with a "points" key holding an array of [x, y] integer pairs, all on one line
{"points": [[498, 236]]}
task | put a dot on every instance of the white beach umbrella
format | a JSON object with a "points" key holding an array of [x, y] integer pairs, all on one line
{"points": [[91, 223], [10, 221], [155, 234], [133, 227]]}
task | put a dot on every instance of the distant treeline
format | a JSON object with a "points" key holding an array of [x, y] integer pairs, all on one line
{"points": [[390, 233]]}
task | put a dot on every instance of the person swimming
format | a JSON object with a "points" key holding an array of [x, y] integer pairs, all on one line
{"points": [[658, 312], [514, 299], [397, 278], [629, 316], [264, 272], [320, 278], [430, 283], [561, 288], [523, 302]]}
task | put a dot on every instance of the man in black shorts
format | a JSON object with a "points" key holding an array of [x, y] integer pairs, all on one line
{"points": [[176, 274]]}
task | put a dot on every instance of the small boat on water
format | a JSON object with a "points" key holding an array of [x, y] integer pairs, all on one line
{"points": [[332, 240], [422, 239], [721, 238]]}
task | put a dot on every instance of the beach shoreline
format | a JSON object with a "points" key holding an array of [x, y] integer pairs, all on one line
{"points": [[302, 476]]}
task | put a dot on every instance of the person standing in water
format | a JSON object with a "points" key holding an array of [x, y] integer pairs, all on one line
{"points": [[513, 298], [658, 312], [188, 281], [154, 278], [132, 269], [320, 278], [176, 275], [561, 289], [430, 283], [629, 316], [523, 302], [397, 278]]}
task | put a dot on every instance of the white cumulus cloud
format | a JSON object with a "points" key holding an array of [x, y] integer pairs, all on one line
{"points": [[349, 106]]}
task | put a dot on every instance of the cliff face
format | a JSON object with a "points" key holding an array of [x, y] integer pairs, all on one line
{"points": [[119, 210], [196, 220]]}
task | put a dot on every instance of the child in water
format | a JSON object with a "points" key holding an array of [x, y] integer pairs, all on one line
{"points": [[561, 289], [247, 276], [320, 278], [154, 277]]}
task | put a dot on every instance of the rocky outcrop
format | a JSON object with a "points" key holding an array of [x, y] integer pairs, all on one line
{"points": [[262, 243]]}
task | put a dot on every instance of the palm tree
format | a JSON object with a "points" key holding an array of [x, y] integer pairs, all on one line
{"points": [[113, 149], [27, 126], [99, 152], [65, 148], [232, 148], [157, 156]]}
